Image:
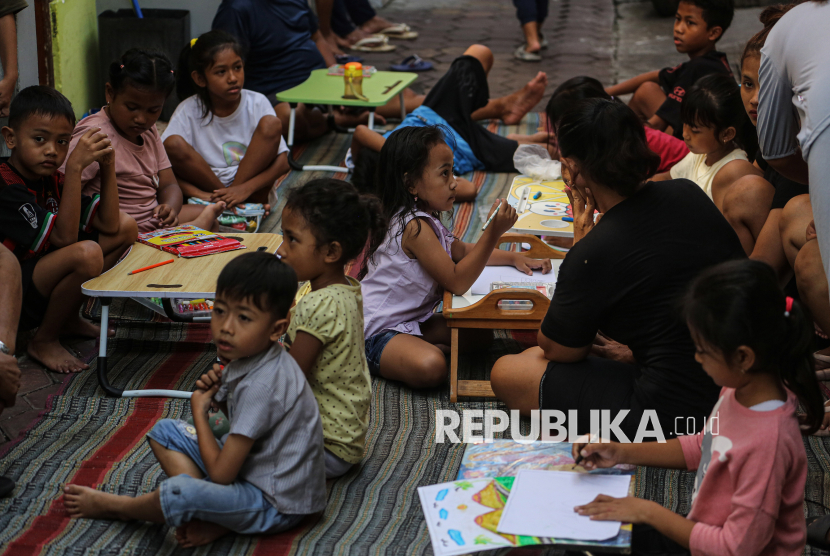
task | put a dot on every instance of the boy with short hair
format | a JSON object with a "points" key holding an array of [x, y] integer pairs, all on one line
{"points": [[269, 471], [61, 238], [658, 94]]}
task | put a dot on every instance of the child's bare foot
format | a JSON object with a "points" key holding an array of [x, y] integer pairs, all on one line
{"points": [[522, 102], [198, 533], [82, 327], [54, 356], [81, 501], [208, 216]]}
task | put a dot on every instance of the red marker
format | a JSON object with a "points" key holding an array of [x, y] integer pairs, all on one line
{"points": [[136, 271]]}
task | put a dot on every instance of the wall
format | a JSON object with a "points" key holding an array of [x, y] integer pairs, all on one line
{"points": [[75, 52], [201, 11]]}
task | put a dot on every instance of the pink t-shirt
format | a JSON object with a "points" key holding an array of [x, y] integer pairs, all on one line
{"points": [[671, 149], [748, 499], [137, 169]]}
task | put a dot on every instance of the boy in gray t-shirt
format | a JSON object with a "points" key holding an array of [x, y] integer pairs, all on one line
{"points": [[268, 472]]}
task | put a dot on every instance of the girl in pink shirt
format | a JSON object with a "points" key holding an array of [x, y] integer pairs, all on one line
{"points": [[751, 466]]}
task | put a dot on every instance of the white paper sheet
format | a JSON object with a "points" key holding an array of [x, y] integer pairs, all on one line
{"points": [[492, 274], [541, 504]]}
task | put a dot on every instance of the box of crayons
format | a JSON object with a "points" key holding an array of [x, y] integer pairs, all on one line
{"points": [[189, 241]]}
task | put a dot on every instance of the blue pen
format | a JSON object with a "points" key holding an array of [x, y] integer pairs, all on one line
{"points": [[567, 219]]}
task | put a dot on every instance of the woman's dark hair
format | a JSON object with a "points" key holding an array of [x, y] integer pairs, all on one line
{"points": [[261, 277], [142, 69], [769, 17], [609, 141], [571, 91], [335, 211], [199, 56], [739, 303], [365, 168], [715, 101], [403, 160]]}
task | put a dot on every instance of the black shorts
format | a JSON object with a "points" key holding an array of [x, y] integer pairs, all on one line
{"points": [[459, 93], [34, 304], [593, 383]]}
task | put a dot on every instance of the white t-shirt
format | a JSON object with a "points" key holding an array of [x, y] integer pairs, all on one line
{"points": [[222, 142]]}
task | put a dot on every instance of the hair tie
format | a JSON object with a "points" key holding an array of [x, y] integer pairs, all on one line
{"points": [[122, 66], [788, 306], [193, 41]]}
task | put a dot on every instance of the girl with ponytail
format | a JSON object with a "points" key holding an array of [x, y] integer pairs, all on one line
{"points": [[325, 224], [224, 142], [750, 460]]}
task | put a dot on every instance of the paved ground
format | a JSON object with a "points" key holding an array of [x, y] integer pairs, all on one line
{"points": [[592, 37]]}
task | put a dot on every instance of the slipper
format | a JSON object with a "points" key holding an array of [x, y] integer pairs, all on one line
{"points": [[346, 58], [412, 63], [525, 56], [399, 31], [817, 528], [374, 43], [6, 487]]}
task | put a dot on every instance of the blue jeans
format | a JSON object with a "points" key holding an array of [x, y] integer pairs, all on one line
{"points": [[374, 349], [531, 10], [239, 506]]}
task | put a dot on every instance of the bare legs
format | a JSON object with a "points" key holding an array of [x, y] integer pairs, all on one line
{"points": [[515, 379], [745, 205]]}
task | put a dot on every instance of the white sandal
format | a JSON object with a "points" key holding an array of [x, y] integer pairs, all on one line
{"points": [[374, 43], [399, 31]]}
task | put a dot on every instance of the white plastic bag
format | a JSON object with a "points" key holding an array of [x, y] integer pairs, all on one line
{"points": [[534, 161]]}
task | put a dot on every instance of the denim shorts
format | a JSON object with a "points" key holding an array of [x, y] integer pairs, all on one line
{"points": [[374, 349], [239, 506]]}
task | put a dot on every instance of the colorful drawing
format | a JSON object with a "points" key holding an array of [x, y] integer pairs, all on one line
{"points": [[546, 204]]}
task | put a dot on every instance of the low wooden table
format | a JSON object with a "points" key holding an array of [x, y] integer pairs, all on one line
{"points": [[486, 313], [185, 279], [321, 88]]}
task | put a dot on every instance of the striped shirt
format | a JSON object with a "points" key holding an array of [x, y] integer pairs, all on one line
{"points": [[270, 401]]}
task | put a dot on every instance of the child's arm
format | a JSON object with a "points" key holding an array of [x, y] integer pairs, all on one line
{"points": [[305, 349], [500, 257], [222, 464], [91, 146], [662, 176], [631, 85], [106, 219], [365, 137], [667, 454], [169, 198], [456, 277]]}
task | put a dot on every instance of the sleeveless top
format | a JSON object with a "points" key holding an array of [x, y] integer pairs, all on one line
{"points": [[398, 293]]}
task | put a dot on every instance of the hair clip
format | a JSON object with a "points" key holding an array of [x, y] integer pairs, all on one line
{"points": [[122, 66], [788, 306], [193, 42]]}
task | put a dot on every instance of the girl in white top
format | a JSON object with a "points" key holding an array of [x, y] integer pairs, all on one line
{"points": [[718, 133], [225, 143]]}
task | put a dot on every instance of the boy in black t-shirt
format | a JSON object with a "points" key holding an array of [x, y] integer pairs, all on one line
{"points": [[60, 237], [698, 25]]}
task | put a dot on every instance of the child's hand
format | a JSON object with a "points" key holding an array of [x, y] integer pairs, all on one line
{"points": [[210, 378], [627, 510], [504, 220], [598, 454], [166, 215], [583, 208], [232, 196], [91, 147], [201, 400], [528, 265]]}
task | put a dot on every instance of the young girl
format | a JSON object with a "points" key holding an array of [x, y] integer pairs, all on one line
{"points": [[406, 271], [225, 142], [748, 498], [138, 85], [326, 224]]}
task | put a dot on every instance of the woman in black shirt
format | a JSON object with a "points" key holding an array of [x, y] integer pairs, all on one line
{"points": [[622, 279]]}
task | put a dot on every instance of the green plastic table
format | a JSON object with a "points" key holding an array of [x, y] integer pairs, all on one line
{"points": [[321, 88]]}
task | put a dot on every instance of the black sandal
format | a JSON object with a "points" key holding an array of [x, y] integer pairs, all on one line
{"points": [[817, 528], [6, 487]]}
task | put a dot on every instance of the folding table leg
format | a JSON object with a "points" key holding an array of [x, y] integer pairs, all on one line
{"points": [[453, 365], [372, 118], [293, 164]]}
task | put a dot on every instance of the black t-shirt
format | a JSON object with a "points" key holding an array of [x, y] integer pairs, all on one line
{"points": [[677, 81], [277, 34], [627, 276], [785, 188]]}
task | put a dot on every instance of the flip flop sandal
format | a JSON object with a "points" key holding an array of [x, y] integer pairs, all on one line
{"points": [[399, 31], [525, 56], [543, 42], [6, 487], [817, 528], [374, 43], [412, 63], [346, 58]]}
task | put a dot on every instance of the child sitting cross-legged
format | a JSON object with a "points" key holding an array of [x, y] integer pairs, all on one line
{"points": [[751, 466], [268, 473], [61, 237], [325, 224]]}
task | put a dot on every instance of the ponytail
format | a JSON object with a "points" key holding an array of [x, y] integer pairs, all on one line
{"points": [[796, 366]]}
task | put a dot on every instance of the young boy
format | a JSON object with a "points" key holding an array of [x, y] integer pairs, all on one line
{"points": [[269, 472], [61, 238], [698, 25]]}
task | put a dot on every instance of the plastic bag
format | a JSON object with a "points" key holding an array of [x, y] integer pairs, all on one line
{"points": [[535, 161]]}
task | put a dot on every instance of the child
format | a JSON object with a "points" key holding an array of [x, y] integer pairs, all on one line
{"points": [[225, 142], [325, 224], [50, 226], [267, 474], [406, 271], [138, 84], [748, 499], [658, 95], [459, 98]]}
